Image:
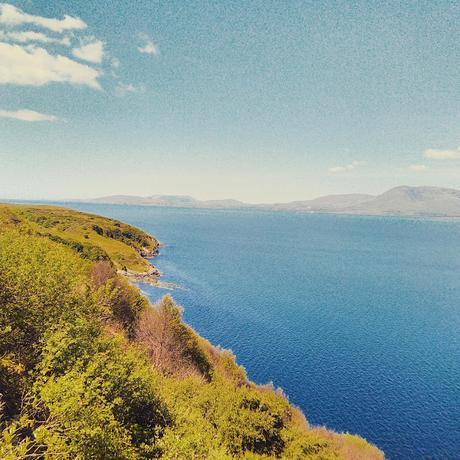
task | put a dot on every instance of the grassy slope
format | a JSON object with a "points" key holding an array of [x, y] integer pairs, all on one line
{"points": [[123, 248], [191, 400]]}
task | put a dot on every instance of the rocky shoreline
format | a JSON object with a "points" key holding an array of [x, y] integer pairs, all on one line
{"points": [[150, 277]]}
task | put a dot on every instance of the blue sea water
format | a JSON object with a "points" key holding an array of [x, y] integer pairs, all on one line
{"points": [[356, 318]]}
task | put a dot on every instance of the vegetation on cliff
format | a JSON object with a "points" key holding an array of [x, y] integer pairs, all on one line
{"points": [[90, 370], [95, 238]]}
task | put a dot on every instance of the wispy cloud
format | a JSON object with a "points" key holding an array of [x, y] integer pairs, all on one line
{"points": [[122, 89], [27, 57], [417, 168], [27, 115], [32, 36], [13, 16], [148, 46], [344, 168], [30, 57], [34, 66], [93, 51], [437, 154]]}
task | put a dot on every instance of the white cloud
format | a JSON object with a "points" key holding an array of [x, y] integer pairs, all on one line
{"points": [[34, 66], [31, 36], [148, 47], [122, 89], [13, 16], [436, 154], [417, 168], [349, 167], [26, 115], [91, 52]]}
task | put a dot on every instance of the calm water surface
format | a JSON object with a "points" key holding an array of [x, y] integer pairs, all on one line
{"points": [[356, 318]]}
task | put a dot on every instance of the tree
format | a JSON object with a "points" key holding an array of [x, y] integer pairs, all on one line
{"points": [[172, 346]]}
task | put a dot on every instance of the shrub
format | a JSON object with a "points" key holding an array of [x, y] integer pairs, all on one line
{"points": [[102, 397]]}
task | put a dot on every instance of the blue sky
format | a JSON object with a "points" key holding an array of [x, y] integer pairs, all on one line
{"points": [[259, 101]]}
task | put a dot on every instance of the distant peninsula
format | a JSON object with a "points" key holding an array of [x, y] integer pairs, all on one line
{"points": [[398, 201]]}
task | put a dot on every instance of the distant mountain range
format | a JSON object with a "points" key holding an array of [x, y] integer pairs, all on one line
{"points": [[399, 201], [172, 201]]}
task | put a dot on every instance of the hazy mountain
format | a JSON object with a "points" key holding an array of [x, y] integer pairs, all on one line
{"points": [[225, 204], [412, 201], [173, 201], [325, 203], [403, 201]]}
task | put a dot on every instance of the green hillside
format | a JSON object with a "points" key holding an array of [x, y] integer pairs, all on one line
{"points": [[90, 370], [94, 237]]}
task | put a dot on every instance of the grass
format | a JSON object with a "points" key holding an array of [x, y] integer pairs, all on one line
{"points": [[94, 237]]}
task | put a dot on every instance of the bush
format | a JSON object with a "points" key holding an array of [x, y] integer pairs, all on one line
{"points": [[102, 397], [40, 282]]}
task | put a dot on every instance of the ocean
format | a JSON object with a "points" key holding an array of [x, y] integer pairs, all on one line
{"points": [[356, 318]]}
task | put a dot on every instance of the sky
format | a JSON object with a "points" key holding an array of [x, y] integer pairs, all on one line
{"points": [[262, 101]]}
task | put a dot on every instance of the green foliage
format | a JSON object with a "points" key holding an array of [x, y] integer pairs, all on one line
{"points": [[89, 394], [101, 397], [93, 237], [40, 283], [225, 420], [126, 233], [86, 251]]}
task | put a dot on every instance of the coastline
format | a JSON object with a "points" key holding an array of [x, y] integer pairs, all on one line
{"points": [[345, 439], [152, 276], [112, 248]]}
